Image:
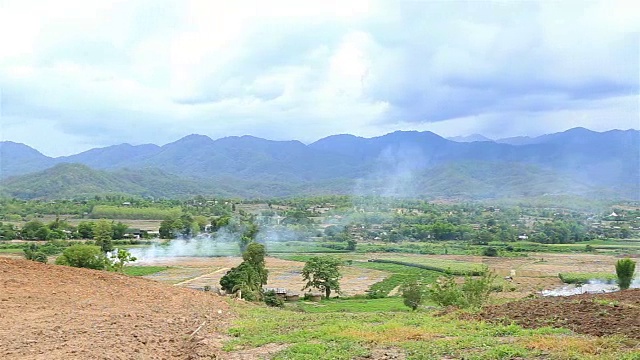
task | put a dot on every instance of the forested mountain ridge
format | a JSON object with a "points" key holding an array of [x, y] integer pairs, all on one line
{"points": [[577, 160]]}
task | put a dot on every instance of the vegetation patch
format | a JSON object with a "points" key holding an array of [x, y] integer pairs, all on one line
{"points": [[332, 332], [583, 278], [401, 274], [448, 270], [143, 270]]}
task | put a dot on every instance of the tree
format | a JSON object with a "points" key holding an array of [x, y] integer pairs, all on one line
{"points": [[167, 230], [43, 233], [248, 236], [120, 259], [118, 230], [85, 229], [7, 232], [220, 222], [83, 256], [351, 244], [249, 276], [30, 230], [625, 270], [102, 233], [412, 294], [321, 272]]}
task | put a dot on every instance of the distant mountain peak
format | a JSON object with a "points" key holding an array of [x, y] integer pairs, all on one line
{"points": [[193, 139], [469, 138]]}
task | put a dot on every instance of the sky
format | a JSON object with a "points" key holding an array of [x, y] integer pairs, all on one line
{"points": [[81, 74]]}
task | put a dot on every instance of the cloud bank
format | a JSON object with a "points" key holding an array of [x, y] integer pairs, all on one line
{"points": [[77, 74]]}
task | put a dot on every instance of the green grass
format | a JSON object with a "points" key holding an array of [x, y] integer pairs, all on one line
{"points": [[143, 270], [339, 332], [439, 265], [353, 305], [583, 278], [400, 274], [11, 251]]}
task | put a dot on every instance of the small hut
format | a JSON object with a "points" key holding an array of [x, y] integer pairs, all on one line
{"points": [[291, 297]]}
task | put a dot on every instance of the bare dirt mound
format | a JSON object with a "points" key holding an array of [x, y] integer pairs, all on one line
{"points": [[601, 314], [58, 312]]}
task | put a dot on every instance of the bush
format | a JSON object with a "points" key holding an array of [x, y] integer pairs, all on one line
{"points": [[445, 292], [34, 253], [474, 292], [376, 294], [625, 269], [412, 295], [490, 251], [272, 299], [83, 256]]}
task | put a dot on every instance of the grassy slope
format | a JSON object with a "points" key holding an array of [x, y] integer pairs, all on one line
{"points": [[354, 327], [335, 331]]}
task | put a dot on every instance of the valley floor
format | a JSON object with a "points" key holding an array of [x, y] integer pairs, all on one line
{"points": [[56, 312]]}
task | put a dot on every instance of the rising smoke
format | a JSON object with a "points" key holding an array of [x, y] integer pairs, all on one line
{"points": [[221, 243]]}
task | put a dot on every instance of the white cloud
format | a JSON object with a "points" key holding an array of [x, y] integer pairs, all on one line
{"points": [[98, 73]]}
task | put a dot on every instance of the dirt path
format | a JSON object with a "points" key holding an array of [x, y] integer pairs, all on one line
{"points": [[183, 283]]}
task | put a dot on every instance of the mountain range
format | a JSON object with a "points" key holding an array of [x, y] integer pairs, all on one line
{"points": [[403, 163]]}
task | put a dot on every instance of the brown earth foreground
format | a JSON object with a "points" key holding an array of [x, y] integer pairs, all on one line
{"points": [[594, 314], [58, 312]]}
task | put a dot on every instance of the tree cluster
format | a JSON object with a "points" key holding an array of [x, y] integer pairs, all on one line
{"points": [[249, 276]]}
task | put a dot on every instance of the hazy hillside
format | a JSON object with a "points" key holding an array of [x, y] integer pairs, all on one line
{"points": [[17, 159], [415, 163], [76, 181], [111, 156]]}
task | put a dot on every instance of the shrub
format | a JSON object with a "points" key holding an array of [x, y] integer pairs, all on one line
{"points": [[445, 292], [83, 256], [272, 299], [34, 253], [625, 269], [412, 295], [474, 292], [490, 251], [120, 259], [376, 294]]}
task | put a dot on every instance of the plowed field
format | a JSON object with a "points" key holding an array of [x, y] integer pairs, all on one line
{"points": [[593, 314], [58, 312]]}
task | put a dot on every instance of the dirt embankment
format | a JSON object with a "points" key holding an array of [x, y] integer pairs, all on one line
{"points": [[593, 314], [57, 312]]}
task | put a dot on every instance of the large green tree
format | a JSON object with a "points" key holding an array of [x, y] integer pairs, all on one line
{"points": [[103, 233], [250, 275], [85, 229], [322, 272]]}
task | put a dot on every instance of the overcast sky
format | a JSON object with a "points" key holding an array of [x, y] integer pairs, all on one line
{"points": [[80, 74]]}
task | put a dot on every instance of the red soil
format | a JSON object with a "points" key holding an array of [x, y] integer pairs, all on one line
{"points": [[58, 312], [601, 314]]}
